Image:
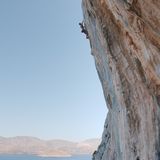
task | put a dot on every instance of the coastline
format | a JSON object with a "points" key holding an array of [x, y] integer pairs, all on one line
{"points": [[56, 156]]}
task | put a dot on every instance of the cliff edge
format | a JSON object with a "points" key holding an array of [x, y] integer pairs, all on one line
{"points": [[125, 41]]}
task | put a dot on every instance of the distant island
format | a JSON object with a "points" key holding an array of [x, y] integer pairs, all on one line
{"points": [[46, 148]]}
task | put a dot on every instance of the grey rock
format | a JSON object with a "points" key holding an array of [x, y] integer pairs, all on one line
{"points": [[125, 44]]}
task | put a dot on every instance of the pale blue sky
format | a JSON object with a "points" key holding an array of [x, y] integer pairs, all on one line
{"points": [[49, 87]]}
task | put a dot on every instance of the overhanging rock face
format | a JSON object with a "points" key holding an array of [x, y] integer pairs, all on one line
{"points": [[125, 42]]}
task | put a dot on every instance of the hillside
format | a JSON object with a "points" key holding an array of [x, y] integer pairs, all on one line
{"points": [[35, 146]]}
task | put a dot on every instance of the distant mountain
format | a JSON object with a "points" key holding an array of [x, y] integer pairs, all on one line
{"points": [[48, 148]]}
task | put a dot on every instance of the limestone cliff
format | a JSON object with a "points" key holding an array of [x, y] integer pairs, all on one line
{"points": [[125, 42]]}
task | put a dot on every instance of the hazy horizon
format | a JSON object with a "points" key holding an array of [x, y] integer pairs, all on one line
{"points": [[80, 140], [49, 84]]}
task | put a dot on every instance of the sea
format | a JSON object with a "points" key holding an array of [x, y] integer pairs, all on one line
{"points": [[28, 157]]}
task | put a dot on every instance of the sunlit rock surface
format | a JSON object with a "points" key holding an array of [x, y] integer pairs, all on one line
{"points": [[125, 42]]}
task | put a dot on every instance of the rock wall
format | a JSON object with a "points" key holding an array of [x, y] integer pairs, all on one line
{"points": [[125, 41]]}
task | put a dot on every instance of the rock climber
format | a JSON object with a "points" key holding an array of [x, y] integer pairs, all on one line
{"points": [[83, 29]]}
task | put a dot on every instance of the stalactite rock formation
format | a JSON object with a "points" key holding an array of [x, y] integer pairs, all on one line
{"points": [[124, 37]]}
